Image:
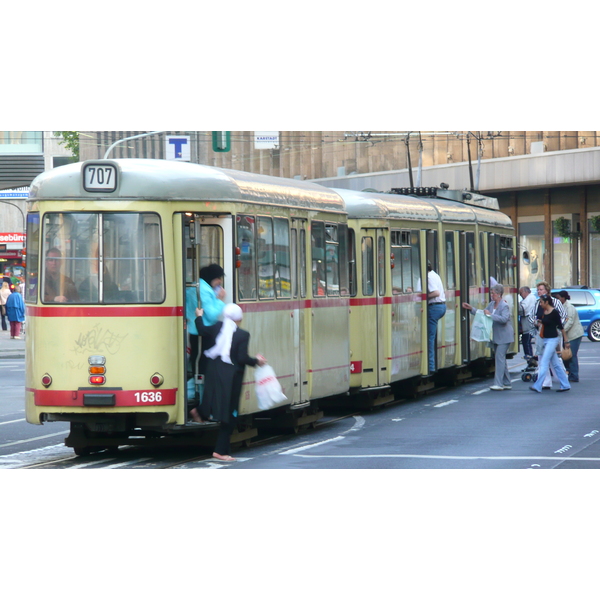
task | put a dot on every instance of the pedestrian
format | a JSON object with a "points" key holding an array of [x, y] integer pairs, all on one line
{"points": [[549, 325], [228, 354], [4, 294], [543, 288], [528, 331], [503, 335], [436, 309], [15, 310], [212, 295], [575, 333]]}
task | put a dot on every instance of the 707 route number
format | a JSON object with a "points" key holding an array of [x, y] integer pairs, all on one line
{"points": [[148, 397]]}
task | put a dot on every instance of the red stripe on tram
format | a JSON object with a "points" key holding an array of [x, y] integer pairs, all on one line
{"points": [[104, 311]]}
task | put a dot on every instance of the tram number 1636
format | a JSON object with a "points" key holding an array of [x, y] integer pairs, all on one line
{"points": [[100, 178], [148, 396]]}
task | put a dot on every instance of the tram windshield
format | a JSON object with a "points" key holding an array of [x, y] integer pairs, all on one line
{"points": [[102, 258]]}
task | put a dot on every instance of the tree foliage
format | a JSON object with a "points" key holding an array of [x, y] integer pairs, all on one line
{"points": [[70, 140]]}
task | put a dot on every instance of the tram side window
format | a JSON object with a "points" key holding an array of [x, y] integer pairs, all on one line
{"points": [[246, 274], [381, 263], [351, 247], [319, 285], [504, 256], [33, 251], [283, 281], [415, 260], [264, 256], [332, 260], [121, 265], [450, 273], [344, 260], [368, 269], [405, 274], [472, 261]]}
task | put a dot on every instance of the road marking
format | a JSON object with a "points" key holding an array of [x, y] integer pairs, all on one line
{"points": [[91, 464], [7, 422], [445, 403], [129, 462], [41, 437], [303, 448], [429, 456], [358, 425]]}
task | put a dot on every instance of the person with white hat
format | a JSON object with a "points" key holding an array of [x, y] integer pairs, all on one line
{"points": [[227, 350]]}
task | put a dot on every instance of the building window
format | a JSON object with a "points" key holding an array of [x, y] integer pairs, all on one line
{"points": [[21, 142]]}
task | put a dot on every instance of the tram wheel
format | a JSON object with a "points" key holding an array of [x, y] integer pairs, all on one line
{"points": [[82, 450]]}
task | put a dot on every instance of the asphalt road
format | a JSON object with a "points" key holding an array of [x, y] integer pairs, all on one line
{"points": [[466, 427]]}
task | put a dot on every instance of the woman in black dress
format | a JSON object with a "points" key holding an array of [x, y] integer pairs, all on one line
{"points": [[228, 353]]}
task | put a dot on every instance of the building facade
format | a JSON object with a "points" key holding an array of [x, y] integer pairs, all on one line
{"points": [[548, 182]]}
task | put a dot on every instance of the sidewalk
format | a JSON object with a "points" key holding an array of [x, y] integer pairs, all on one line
{"points": [[11, 348]]}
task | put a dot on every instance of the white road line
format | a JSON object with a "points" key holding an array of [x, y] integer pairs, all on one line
{"points": [[445, 403], [7, 422], [359, 423], [129, 462], [303, 448], [426, 456], [41, 437], [92, 464]]}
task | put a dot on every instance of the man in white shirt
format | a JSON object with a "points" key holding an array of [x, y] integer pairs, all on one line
{"points": [[436, 309]]}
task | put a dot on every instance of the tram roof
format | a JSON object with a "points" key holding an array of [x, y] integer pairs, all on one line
{"points": [[153, 179], [370, 205]]}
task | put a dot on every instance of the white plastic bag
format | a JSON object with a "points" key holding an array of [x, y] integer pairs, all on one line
{"points": [[481, 330], [268, 389]]}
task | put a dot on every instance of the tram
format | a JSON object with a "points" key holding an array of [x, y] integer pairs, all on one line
{"points": [[332, 284]]}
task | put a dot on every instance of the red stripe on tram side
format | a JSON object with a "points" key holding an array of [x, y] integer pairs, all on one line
{"points": [[275, 305], [104, 311], [74, 398]]}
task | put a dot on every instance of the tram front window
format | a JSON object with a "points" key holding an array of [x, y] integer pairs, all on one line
{"points": [[102, 258]]}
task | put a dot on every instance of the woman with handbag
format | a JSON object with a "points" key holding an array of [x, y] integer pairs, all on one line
{"points": [[227, 350], [575, 333], [503, 335], [550, 324]]}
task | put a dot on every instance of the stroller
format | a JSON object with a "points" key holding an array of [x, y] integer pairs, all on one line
{"points": [[530, 372]]}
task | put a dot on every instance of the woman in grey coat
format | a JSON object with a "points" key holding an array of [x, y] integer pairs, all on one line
{"points": [[503, 335]]}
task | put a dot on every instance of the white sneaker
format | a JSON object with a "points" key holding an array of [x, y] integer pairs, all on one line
{"points": [[497, 388], [507, 387]]}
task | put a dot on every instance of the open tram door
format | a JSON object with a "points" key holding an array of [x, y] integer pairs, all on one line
{"points": [[431, 257], [207, 239]]}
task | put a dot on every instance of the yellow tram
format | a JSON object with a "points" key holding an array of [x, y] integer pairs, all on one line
{"points": [[330, 282]]}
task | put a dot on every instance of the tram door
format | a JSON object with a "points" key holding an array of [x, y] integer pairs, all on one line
{"points": [[431, 256], [298, 283], [468, 281], [207, 239], [373, 290]]}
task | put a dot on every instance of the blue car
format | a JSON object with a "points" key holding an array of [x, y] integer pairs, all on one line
{"points": [[587, 302]]}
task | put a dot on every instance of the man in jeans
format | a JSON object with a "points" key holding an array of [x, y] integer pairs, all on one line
{"points": [[436, 309]]}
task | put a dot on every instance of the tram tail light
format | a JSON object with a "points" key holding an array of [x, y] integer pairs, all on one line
{"points": [[157, 379], [46, 380], [97, 379]]}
